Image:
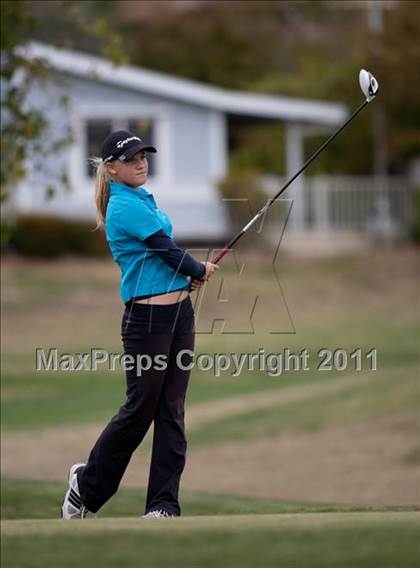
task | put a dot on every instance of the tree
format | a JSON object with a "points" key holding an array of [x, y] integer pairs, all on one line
{"points": [[312, 49], [397, 64], [22, 125]]}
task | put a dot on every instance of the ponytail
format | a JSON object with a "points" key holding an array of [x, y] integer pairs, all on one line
{"points": [[101, 191]]}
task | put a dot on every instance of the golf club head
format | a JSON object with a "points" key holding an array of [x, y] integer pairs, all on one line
{"points": [[368, 84]]}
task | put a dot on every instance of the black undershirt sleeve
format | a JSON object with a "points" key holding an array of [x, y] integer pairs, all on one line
{"points": [[177, 258]]}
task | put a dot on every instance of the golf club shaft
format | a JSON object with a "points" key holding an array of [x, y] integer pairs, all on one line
{"points": [[230, 244]]}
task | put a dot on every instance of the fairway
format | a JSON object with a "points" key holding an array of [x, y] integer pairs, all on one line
{"points": [[310, 469], [367, 539]]}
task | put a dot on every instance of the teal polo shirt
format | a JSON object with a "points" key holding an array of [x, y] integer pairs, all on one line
{"points": [[132, 215]]}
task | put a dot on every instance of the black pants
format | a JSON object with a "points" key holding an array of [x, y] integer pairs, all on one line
{"points": [[154, 395]]}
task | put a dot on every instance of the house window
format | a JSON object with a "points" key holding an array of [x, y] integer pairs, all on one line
{"points": [[96, 132], [98, 129]]}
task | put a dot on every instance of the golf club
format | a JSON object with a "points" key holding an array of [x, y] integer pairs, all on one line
{"points": [[370, 87]]}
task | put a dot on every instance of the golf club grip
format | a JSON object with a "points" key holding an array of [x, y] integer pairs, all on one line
{"points": [[220, 254], [216, 259], [223, 252]]}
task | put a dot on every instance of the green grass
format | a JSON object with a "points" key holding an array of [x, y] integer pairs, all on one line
{"points": [[214, 530], [40, 499], [389, 393], [365, 302], [39, 399], [340, 309], [362, 540]]}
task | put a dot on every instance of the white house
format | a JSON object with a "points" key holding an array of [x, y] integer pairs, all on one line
{"points": [[187, 121]]}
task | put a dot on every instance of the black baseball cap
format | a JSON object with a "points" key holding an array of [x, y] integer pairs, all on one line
{"points": [[122, 145]]}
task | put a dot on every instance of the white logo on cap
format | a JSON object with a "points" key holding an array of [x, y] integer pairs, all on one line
{"points": [[122, 143]]}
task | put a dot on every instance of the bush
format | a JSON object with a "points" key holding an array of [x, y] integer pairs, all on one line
{"points": [[415, 230], [247, 188], [244, 188], [47, 236], [6, 232]]}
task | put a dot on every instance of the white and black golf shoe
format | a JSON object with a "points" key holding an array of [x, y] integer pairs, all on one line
{"points": [[73, 507], [157, 514]]}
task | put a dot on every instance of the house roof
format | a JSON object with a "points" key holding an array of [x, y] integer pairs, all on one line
{"points": [[187, 91]]}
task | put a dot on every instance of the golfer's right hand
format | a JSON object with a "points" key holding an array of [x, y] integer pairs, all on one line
{"points": [[210, 269]]}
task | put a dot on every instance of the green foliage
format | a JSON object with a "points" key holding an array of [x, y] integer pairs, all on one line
{"points": [[415, 231], [308, 49], [396, 61], [6, 232], [24, 128], [300, 49], [244, 195], [257, 145], [18, 123], [45, 236], [203, 44]]}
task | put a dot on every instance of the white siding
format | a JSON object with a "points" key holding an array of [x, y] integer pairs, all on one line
{"points": [[190, 152]]}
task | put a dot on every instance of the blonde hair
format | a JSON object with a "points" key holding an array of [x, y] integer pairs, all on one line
{"points": [[102, 178]]}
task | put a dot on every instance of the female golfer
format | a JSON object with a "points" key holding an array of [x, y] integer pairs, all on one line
{"points": [[157, 326]]}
